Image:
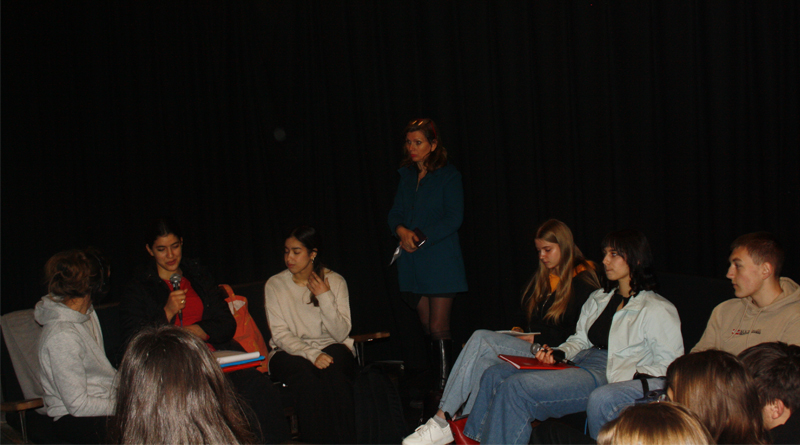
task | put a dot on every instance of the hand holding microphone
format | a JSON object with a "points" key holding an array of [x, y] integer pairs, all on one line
{"points": [[548, 355], [177, 298]]}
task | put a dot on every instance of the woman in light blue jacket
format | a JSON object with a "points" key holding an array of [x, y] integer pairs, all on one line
{"points": [[625, 330]]}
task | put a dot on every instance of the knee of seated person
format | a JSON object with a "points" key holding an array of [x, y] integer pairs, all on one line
{"points": [[479, 335], [491, 373], [603, 403], [600, 396], [517, 383]]}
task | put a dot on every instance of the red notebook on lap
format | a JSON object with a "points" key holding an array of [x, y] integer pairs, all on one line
{"points": [[531, 363]]}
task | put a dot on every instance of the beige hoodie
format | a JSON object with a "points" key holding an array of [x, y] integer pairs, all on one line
{"points": [[738, 323]]}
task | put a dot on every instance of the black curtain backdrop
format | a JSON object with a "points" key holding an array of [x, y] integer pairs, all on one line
{"points": [[244, 119]]}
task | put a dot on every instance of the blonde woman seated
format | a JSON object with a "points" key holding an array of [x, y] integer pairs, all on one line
{"points": [[551, 303], [308, 307], [171, 390], [660, 423]]}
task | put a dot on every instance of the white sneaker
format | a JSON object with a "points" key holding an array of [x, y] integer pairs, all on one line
{"points": [[430, 434]]}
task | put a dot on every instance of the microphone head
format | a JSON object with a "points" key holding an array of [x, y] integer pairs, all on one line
{"points": [[175, 279], [535, 347]]}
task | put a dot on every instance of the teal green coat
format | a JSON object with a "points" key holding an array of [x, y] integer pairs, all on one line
{"points": [[437, 209]]}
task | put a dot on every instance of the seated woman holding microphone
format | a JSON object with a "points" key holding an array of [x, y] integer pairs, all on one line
{"points": [[625, 330], [551, 302], [171, 290]]}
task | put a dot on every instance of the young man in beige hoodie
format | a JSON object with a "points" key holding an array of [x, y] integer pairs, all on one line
{"points": [[766, 309]]}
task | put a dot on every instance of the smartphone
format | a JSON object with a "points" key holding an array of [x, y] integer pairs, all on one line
{"points": [[420, 237]]}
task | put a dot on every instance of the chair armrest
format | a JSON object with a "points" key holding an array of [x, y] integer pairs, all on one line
{"points": [[362, 338], [22, 405]]}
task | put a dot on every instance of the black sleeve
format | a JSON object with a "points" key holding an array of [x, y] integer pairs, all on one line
{"points": [[217, 322], [554, 334], [581, 290], [142, 305]]}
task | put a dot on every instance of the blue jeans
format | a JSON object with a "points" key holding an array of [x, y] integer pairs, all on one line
{"points": [[510, 399], [608, 401], [478, 354]]}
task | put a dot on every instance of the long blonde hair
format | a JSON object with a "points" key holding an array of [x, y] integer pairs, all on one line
{"points": [[555, 231], [660, 423]]}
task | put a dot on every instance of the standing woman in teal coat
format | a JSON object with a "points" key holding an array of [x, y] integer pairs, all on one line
{"points": [[426, 215]]}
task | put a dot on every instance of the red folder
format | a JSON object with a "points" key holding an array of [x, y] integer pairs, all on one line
{"points": [[531, 363]]}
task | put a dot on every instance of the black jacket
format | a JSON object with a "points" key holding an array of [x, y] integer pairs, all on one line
{"points": [[553, 334], [146, 295]]}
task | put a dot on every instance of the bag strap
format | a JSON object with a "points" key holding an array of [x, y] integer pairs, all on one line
{"points": [[645, 385], [228, 290]]}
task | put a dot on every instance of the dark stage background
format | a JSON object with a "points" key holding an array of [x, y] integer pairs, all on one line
{"points": [[244, 119]]}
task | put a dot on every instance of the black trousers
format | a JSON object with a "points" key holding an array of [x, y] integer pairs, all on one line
{"points": [[81, 429], [264, 401], [324, 397]]}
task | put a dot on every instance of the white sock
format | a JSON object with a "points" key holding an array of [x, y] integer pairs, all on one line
{"points": [[441, 422]]}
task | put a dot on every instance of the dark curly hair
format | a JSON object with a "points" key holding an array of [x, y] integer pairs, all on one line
{"points": [[633, 246]]}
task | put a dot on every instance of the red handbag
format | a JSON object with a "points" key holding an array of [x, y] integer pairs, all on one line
{"points": [[457, 428]]}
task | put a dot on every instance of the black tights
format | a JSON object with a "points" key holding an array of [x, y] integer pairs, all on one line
{"points": [[434, 314]]}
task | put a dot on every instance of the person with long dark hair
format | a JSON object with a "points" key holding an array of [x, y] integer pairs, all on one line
{"points": [[169, 374], [551, 304], [75, 374], [427, 212], [625, 329], [308, 308], [718, 389], [197, 306]]}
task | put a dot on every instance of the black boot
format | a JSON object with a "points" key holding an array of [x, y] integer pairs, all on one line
{"points": [[442, 351], [444, 355]]}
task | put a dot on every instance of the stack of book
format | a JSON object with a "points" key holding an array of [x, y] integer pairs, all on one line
{"points": [[235, 360]]}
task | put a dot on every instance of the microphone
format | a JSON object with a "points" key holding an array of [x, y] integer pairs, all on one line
{"points": [[536, 347], [175, 279]]}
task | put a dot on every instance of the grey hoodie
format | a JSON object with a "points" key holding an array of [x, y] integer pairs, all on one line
{"points": [[737, 324], [76, 376]]}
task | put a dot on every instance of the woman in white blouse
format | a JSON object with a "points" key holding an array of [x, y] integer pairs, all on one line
{"points": [[309, 316]]}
